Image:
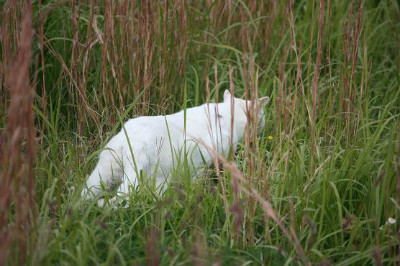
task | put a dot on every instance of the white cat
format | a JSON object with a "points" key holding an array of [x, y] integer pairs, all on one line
{"points": [[157, 145]]}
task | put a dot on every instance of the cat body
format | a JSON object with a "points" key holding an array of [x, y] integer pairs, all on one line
{"points": [[155, 146]]}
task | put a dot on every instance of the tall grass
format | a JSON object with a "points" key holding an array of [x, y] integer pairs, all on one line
{"points": [[17, 201], [317, 187]]}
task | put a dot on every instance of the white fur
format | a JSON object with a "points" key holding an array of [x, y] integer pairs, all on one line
{"points": [[156, 145]]}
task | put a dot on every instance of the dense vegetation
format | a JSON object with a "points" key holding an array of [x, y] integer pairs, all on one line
{"points": [[320, 185]]}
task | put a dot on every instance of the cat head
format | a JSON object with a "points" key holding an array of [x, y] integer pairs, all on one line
{"points": [[244, 109]]}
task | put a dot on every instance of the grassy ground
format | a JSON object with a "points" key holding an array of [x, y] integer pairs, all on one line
{"points": [[317, 187]]}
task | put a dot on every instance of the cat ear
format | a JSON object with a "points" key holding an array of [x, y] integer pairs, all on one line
{"points": [[264, 100], [227, 96]]}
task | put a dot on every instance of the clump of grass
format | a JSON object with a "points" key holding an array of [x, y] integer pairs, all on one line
{"points": [[318, 186]]}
